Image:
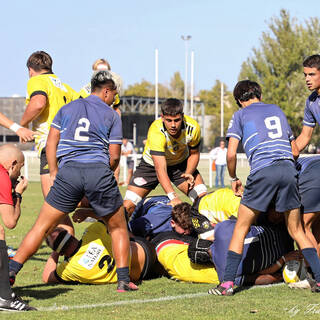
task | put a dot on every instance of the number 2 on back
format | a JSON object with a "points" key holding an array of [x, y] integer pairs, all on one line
{"points": [[274, 124], [85, 128]]}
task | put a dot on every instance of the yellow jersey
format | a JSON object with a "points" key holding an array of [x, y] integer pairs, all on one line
{"points": [[57, 94], [219, 205], [173, 255], [175, 150], [93, 262]]}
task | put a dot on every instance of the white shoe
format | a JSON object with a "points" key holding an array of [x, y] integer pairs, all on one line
{"points": [[303, 284]]}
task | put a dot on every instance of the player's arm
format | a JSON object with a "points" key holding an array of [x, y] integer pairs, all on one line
{"points": [[160, 165], [48, 274], [295, 151], [232, 166], [304, 137], [24, 133], [192, 163], [114, 152], [34, 108], [51, 151]]}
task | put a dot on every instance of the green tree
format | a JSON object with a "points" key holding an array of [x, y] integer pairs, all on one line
{"points": [[212, 102], [142, 89], [277, 64], [177, 86]]}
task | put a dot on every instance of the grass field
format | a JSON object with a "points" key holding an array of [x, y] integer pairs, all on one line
{"points": [[156, 299]]}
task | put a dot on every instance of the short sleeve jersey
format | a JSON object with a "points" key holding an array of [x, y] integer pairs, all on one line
{"points": [[219, 205], [57, 94], [312, 110], [85, 91], [306, 162], [5, 187], [160, 142], [264, 132], [93, 262], [87, 127]]}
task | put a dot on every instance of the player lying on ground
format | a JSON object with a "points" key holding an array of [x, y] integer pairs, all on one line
{"points": [[91, 260], [86, 136]]}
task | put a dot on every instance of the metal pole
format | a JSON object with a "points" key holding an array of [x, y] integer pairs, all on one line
{"points": [[222, 111], [192, 83], [185, 107], [156, 84], [134, 134]]}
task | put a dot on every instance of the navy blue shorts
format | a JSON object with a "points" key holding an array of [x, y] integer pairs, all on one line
{"points": [[309, 188], [278, 183], [95, 181]]}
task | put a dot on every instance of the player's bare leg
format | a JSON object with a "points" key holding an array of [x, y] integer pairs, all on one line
{"points": [[129, 204], [65, 221], [308, 221]]}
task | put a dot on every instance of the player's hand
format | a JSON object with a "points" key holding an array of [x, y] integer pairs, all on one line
{"points": [[237, 188], [81, 215], [21, 185], [52, 176], [174, 202], [189, 178], [25, 135]]}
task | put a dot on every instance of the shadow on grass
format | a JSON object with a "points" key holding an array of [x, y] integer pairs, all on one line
{"points": [[43, 293]]}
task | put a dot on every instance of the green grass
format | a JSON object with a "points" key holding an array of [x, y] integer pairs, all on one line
{"points": [[184, 300]]}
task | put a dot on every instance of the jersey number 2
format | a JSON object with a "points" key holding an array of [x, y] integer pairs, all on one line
{"points": [[274, 124], [84, 125]]}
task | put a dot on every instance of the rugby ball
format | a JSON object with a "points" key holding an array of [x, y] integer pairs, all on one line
{"points": [[294, 271]]}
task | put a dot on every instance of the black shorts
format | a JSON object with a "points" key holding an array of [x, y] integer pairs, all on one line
{"points": [[130, 164], [145, 175], [309, 188], [76, 180], [44, 167], [277, 182]]}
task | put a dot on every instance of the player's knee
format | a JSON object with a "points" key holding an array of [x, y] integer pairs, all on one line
{"points": [[197, 191], [131, 200]]}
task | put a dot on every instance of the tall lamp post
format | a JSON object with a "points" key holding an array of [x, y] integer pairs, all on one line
{"points": [[186, 39]]}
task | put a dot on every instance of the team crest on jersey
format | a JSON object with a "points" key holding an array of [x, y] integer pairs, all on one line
{"points": [[57, 83], [139, 181], [91, 256]]}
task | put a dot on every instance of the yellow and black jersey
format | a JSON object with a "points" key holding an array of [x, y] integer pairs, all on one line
{"points": [[219, 205], [57, 94], [160, 142], [93, 262]]}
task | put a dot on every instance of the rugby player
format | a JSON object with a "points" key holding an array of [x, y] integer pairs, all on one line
{"points": [[269, 144], [311, 70], [171, 154], [91, 259], [86, 137]]}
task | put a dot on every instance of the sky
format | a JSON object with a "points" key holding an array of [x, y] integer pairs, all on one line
{"points": [[127, 32]]}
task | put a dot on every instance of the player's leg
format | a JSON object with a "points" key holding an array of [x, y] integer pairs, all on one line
{"points": [[218, 173], [223, 169], [316, 230], [296, 231], [308, 222], [132, 197]]}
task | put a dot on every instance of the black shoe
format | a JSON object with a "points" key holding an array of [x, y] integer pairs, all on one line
{"points": [[15, 304], [222, 290], [126, 286]]}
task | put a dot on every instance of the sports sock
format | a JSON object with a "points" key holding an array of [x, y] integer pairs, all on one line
{"points": [[5, 289], [232, 264], [311, 256], [15, 266], [123, 274]]}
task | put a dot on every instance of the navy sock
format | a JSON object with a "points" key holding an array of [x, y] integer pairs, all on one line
{"points": [[311, 256], [15, 266], [123, 274], [5, 289], [232, 264]]}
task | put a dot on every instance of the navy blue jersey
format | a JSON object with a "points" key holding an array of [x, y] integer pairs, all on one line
{"points": [[263, 246], [265, 134], [312, 110], [304, 162], [87, 127]]}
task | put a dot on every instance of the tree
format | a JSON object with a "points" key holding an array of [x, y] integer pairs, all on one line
{"points": [[177, 86], [142, 89], [277, 64]]}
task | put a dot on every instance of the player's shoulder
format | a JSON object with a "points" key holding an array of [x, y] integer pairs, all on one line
{"points": [[156, 126], [190, 121], [313, 97]]}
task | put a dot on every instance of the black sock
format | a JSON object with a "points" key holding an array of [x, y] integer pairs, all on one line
{"points": [[15, 266], [232, 265], [123, 274], [310, 254], [5, 289]]}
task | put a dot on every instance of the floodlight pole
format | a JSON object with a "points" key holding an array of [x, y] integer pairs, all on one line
{"points": [[156, 97], [222, 111], [186, 39], [191, 83]]}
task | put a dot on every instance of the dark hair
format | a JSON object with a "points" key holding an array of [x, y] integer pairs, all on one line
{"points": [[171, 107], [181, 215], [246, 90], [101, 79], [40, 60], [57, 236], [312, 61]]}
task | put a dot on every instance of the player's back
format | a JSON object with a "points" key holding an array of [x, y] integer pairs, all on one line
{"points": [[265, 133], [87, 127]]}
